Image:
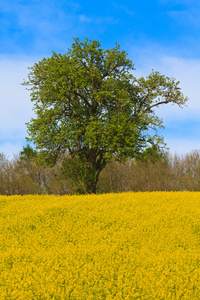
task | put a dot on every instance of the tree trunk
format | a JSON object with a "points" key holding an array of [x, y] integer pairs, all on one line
{"points": [[96, 164], [91, 188]]}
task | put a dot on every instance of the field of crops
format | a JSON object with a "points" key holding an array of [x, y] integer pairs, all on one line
{"points": [[113, 246]]}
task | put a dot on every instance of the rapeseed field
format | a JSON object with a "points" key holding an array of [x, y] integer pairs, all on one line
{"points": [[112, 246]]}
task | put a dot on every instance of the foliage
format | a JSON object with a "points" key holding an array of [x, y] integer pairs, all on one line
{"points": [[88, 102], [28, 153], [113, 246], [153, 154], [76, 169]]}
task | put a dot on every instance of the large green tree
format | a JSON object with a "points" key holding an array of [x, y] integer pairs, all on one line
{"points": [[88, 104]]}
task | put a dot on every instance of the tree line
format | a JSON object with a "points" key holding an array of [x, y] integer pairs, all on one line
{"points": [[153, 170]]}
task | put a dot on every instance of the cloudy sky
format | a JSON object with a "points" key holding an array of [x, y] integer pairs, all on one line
{"points": [[163, 35]]}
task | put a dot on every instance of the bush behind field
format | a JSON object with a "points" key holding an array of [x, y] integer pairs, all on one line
{"points": [[174, 173], [111, 246]]}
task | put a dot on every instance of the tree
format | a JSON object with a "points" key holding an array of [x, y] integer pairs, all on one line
{"points": [[28, 153], [4, 166], [88, 104], [153, 154]]}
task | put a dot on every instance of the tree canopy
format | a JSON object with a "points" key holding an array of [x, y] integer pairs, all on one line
{"points": [[88, 104]]}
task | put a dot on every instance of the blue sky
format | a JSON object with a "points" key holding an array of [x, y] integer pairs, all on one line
{"points": [[163, 35]]}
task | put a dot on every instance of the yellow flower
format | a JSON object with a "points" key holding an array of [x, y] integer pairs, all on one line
{"points": [[112, 246]]}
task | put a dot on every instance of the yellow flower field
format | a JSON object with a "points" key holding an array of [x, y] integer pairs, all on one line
{"points": [[112, 246]]}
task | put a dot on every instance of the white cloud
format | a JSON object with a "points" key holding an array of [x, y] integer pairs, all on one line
{"points": [[16, 107], [188, 2], [11, 149], [96, 20], [84, 18], [38, 26], [123, 8], [186, 16], [182, 145]]}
